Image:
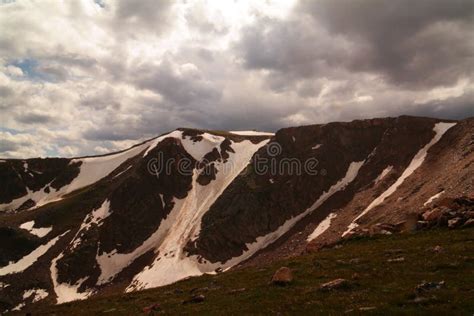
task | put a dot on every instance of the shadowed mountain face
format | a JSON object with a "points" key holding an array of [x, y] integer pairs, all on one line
{"points": [[192, 202]]}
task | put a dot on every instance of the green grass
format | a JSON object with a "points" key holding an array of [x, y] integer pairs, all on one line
{"points": [[380, 287]]}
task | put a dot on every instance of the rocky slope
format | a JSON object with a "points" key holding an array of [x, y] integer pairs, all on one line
{"points": [[192, 202]]}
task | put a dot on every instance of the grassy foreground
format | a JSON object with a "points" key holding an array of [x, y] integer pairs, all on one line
{"points": [[378, 284]]}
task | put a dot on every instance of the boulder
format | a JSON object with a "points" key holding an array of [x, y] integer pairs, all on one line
{"points": [[432, 215], [282, 276]]}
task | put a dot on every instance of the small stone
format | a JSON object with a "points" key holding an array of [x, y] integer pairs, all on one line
{"points": [[152, 308], [336, 284], [422, 224], [420, 300], [195, 299], [199, 289], [282, 276], [455, 222], [237, 290], [354, 261], [368, 308], [395, 260], [437, 249], [394, 251], [111, 310], [428, 286]]}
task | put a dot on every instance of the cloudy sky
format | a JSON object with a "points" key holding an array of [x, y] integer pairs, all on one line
{"points": [[89, 77]]}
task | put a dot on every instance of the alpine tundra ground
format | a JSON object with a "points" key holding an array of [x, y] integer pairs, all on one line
{"points": [[382, 274]]}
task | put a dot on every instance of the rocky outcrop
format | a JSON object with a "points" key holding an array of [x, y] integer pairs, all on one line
{"points": [[448, 212]]}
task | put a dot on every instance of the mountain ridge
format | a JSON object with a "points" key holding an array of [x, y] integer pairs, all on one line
{"points": [[121, 226]]}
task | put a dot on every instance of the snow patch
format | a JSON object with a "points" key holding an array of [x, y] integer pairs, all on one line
{"points": [[37, 294], [19, 307], [322, 227], [182, 225], [434, 197], [251, 133], [156, 141], [416, 162], [383, 174], [264, 241], [92, 169], [66, 292], [121, 172], [40, 232], [96, 217], [198, 149], [28, 260], [350, 228]]}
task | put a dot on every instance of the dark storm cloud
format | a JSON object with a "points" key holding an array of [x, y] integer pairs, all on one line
{"points": [[149, 15], [7, 145], [423, 42], [453, 108], [294, 47], [181, 85], [34, 118], [415, 44]]}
